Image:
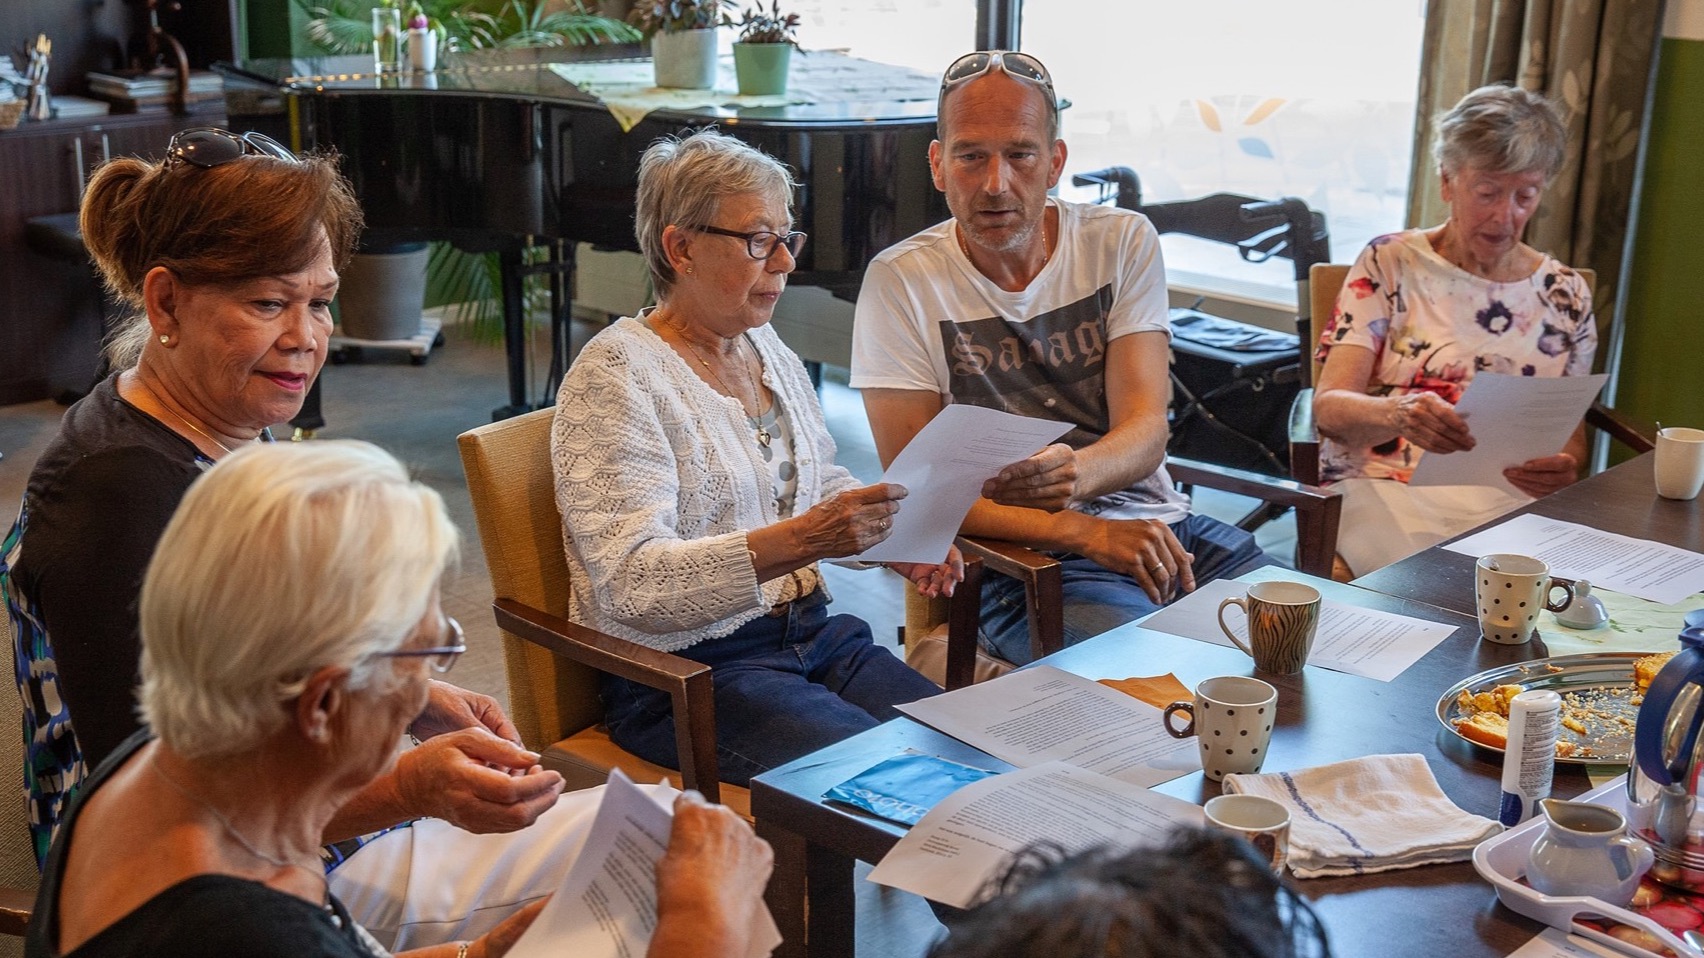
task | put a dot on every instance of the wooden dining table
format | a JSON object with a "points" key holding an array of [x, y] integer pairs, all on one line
{"points": [[1622, 499], [1324, 716]]}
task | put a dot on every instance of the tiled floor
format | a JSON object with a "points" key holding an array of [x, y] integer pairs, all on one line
{"points": [[416, 413]]}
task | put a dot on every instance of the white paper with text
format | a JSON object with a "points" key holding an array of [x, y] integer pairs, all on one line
{"points": [[1044, 714], [969, 837], [1649, 570], [943, 468], [1513, 419], [607, 905]]}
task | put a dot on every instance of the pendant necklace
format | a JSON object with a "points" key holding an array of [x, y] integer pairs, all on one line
{"points": [[763, 436]]}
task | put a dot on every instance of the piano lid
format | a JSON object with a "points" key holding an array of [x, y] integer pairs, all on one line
{"points": [[829, 89]]}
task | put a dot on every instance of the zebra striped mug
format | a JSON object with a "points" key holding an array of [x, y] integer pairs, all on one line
{"points": [[1282, 618]]}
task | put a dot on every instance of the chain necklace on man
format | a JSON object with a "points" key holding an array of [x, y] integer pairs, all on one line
{"points": [[180, 418], [763, 436], [231, 829]]}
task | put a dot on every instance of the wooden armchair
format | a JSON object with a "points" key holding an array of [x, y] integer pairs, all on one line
{"points": [[954, 660], [553, 664], [1325, 282]]}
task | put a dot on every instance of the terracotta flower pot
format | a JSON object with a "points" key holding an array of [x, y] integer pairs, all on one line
{"points": [[686, 60], [762, 67]]}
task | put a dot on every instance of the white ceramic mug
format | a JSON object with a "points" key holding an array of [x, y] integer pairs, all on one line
{"points": [[1680, 462], [1231, 717], [1510, 590], [1264, 822], [1282, 619]]}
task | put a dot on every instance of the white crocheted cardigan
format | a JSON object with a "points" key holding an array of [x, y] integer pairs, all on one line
{"points": [[658, 477]]}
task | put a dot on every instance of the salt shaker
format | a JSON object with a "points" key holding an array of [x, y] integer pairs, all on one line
{"points": [[1529, 761]]}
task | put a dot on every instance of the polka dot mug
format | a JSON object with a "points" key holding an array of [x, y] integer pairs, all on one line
{"points": [[1510, 590]]}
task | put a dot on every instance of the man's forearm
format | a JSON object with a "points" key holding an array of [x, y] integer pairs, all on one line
{"points": [[1119, 460], [1043, 531]]}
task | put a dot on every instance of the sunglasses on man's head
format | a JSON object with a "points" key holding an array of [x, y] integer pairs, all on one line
{"points": [[207, 147], [1019, 66]]}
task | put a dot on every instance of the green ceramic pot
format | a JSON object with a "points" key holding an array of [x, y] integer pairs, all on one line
{"points": [[762, 67]]}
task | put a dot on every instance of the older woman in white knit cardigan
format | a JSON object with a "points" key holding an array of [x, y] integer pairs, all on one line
{"points": [[697, 481]]}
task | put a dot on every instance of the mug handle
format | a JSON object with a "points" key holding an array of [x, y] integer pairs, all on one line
{"points": [[1237, 601], [1166, 717], [1567, 587]]}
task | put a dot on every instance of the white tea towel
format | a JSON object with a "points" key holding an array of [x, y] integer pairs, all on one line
{"points": [[1369, 814]]}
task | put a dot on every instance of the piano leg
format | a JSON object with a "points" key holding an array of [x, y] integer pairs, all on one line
{"points": [[514, 333]]}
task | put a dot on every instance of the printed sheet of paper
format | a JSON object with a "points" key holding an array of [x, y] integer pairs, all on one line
{"points": [[1649, 570], [607, 905], [1514, 419], [967, 839], [943, 468], [1364, 642], [1043, 714]]}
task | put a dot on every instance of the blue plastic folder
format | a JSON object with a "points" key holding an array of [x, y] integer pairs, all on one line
{"points": [[904, 788]]}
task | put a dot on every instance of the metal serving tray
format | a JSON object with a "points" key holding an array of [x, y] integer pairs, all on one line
{"points": [[1604, 679]]}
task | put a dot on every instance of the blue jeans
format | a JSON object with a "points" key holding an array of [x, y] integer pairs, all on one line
{"points": [[785, 685], [1098, 599]]}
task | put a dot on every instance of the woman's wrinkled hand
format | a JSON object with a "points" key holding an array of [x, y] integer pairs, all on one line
{"points": [[1430, 422], [934, 581], [852, 521], [710, 882], [1542, 476]]}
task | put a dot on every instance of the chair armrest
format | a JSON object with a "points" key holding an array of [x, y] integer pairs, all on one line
{"points": [[16, 904], [1318, 511], [1304, 439], [687, 682], [1620, 426], [964, 619], [1044, 588]]}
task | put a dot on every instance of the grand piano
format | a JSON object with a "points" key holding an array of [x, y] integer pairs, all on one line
{"points": [[497, 151]]}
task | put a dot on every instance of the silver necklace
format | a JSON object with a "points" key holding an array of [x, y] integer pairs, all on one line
{"points": [[763, 436], [231, 829], [175, 415]]}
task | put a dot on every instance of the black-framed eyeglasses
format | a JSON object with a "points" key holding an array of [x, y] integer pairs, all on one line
{"points": [[208, 146], [1020, 66], [762, 244], [440, 657]]}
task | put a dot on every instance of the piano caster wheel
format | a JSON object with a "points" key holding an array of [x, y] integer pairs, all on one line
{"points": [[417, 359], [438, 340], [301, 435]]}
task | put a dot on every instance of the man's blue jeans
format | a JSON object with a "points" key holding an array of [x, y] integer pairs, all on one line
{"points": [[1098, 599], [785, 685]]}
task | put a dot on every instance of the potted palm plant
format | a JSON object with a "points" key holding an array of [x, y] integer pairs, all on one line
{"points": [[764, 50], [683, 39]]}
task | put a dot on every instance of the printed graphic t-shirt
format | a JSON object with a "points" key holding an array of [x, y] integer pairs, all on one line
{"points": [[928, 320]]}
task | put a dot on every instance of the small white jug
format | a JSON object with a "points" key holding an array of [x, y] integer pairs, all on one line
{"points": [[1585, 851]]}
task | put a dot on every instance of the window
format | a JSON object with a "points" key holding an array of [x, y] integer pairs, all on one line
{"points": [[1306, 98], [922, 34]]}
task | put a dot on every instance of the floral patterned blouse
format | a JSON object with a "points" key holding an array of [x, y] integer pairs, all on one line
{"points": [[1432, 325]]}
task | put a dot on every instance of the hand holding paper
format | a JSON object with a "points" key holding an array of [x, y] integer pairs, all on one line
{"points": [[943, 469], [1516, 419]]}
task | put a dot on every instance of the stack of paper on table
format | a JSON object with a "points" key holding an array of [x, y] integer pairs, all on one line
{"points": [[1649, 570]]}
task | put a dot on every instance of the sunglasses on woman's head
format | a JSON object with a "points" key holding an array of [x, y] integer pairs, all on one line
{"points": [[1019, 66], [207, 147]]}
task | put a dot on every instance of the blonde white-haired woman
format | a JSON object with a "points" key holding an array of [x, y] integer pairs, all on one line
{"points": [[290, 625]]}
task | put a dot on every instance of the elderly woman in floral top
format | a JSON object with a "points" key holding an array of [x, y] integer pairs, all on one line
{"points": [[1423, 310]]}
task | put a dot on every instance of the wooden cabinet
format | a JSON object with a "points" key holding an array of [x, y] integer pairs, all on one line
{"points": [[50, 309]]}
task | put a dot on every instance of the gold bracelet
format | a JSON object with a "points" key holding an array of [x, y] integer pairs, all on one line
{"points": [[463, 949]]}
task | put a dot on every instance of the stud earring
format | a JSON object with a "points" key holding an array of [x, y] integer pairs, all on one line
{"points": [[165, 340], [689, 271]]}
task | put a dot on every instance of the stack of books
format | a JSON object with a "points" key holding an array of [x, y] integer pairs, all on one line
{"points": [[130, 90]]}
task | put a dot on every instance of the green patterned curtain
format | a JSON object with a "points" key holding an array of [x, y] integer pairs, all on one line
{"points": [[1590, 57]]}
